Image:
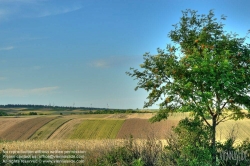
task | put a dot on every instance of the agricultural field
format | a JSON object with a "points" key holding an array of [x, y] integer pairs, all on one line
{"points": [[97, 129], [47, 130], [142, 128], [239, 129], [66, 129], [25, 129], [7, 123], [103, 126], [95, 134]]}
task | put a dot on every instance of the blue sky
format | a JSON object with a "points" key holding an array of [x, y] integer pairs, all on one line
{"points": [[63, 52]]}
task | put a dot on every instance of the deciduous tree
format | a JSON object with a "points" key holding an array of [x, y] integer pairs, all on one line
{"points": [[205, 71]]}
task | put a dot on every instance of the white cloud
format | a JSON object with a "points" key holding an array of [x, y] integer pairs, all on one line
{"points": [[113, 61], [100, 64], [34, 8], [12, 92], [20, 1], [6, 48], [55, 11]]}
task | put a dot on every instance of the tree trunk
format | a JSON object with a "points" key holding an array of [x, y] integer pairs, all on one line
{"points": [[213, 140]]}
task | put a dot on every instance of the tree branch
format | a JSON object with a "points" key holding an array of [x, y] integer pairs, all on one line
{"points": [[210, 111], [222, 120], [202, 116], [224, 105], [205, 120]]}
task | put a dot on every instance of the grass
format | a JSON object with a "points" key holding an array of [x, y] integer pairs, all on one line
{"points": [[97, 129], [96, 150]]}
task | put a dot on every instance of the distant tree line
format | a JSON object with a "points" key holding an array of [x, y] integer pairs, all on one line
{"points": [[115, 111], [50, 106]]}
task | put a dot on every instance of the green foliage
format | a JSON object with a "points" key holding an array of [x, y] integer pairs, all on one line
{"points": [[32, 113], [2, 113], [189, 144], [205, 70], [240, 152]]}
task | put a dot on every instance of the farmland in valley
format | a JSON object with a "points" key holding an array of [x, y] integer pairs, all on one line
{"points": [[97, 134], [103, 126]]}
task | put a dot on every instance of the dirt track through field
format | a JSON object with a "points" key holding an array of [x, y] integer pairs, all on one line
{"points": [[25, 129]]}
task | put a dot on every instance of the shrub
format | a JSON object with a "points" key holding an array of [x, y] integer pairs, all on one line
{"points": [[2, 113], [237, 151], [32, 113], [148, 153], [188, 144]]}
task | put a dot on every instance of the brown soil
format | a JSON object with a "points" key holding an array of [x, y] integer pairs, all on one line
{"points": [[142, 128], [24, 129], [7, 123]]}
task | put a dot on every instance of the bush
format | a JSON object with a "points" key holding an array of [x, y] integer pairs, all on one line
{"points": [[32, 113], [132, 153], [2, 113], [188, 144], [239, 152]]}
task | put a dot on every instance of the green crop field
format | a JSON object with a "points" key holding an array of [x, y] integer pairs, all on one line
{"points": [[97, 129]]}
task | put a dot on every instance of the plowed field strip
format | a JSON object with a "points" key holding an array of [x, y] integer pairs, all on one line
{"points": [[142, 128], [6, 123], [25, 129], [63, 131], [97, 129], [47, 130]]}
